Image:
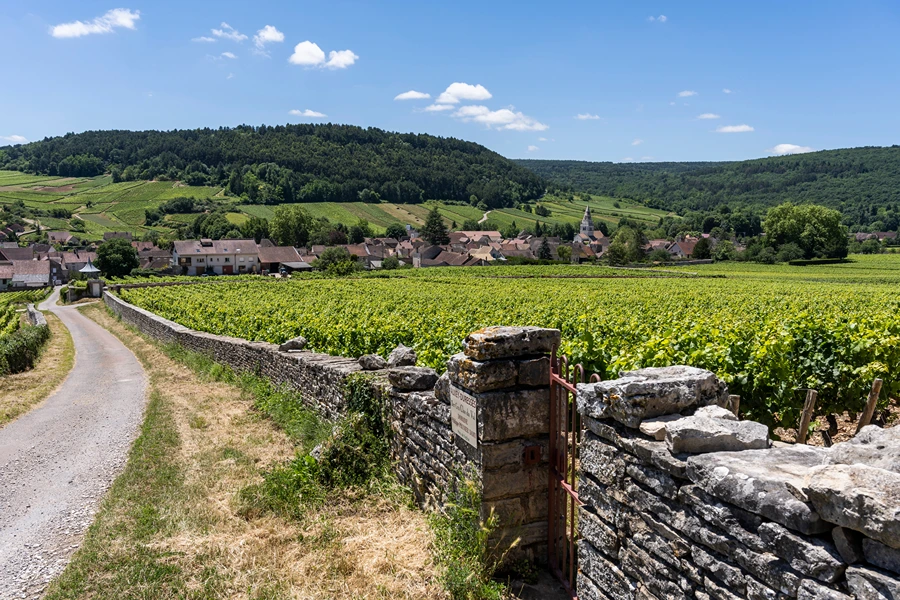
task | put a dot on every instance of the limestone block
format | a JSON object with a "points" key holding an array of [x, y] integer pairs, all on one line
{"points": [[598, 533], [534, 372], [761, 482], [442, 388], [510, 342], [656, 427], [809, 556], [508, 415], [297, 343], [477, 376], [402, 356], [881, 556], [651, 392], [372, 362], [714, 411], [412, 378], [848, 544], [859, 497], [872, 584], [873, 447], [810, 590], [697, 435]]}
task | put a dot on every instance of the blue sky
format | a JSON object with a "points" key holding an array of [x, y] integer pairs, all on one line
{"points": [[771, 77]]}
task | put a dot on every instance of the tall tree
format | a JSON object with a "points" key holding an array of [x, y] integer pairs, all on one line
{"points": [[544, 252], [817, 230], [434, 231], [290, 226], [117, 257]]}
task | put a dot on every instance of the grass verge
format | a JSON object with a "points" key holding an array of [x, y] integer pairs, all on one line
{"points": [[172, 524], [21, 392]]}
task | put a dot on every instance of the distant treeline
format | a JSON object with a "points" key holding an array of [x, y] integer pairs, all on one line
{"points": [[862, 183], [290, 163]]}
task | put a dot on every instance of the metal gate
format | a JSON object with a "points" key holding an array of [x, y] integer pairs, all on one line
{"points": [[565, 439]]}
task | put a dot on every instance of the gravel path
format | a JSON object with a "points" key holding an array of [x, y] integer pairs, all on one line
{"points": [[57, 461]]}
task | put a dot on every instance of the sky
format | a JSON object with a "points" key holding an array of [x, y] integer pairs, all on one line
{"points": [[605, 81]]}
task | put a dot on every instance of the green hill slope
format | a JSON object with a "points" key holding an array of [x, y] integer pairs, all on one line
{"points": [[289, 163], [863, 183]]}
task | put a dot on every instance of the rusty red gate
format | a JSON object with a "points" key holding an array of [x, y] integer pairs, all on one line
{"points": [[565, 439]]}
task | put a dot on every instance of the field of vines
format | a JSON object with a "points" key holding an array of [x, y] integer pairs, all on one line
{"points": [[832, 328], [9, 303]]}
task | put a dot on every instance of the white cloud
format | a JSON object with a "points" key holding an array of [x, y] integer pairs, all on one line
{"points": [[267, 35], [229, 33], [412, 95], [13, 139], [660, 19], [308, 54], [311, 114], [228, 55], [647, 158], [687, 94], [542, 139], [118, 17], [504, 118], [533, 148], [671, 103], [340, 59], [734, 129], [637, 142], [230, 76], [457, 91], [782, 149], [709, 116], [627, 159], [204, 39], [587, 117], [439, 107], [726, 91]]}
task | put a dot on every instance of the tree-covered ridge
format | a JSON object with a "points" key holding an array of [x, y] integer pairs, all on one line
{"points": [[862, 183], [290, 163]]}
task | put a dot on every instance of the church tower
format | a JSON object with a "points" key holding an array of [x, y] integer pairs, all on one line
{"points": [[587, 223]]}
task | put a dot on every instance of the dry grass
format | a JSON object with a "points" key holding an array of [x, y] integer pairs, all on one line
{"points": [[198, 544], [21, 392]]}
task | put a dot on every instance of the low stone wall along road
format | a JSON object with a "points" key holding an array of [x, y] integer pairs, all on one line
{"points": [[57, 461]]}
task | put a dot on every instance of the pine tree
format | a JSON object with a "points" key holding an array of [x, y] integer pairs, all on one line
{"points": [[544, 252], [435, 232]]}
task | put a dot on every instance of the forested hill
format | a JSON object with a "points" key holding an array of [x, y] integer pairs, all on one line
{"points": [[863, 183], [290, 163]]}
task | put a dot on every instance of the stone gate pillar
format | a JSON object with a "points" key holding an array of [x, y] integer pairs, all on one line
{"points": [[499, 392]]}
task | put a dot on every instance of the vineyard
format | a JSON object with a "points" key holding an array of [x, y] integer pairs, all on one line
{"points": [[768, 338], [9, 304]]}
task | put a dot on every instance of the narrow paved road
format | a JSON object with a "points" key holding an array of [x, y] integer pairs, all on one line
{"points": [[57, 461]]}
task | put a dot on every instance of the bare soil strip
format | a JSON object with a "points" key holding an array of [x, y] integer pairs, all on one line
{"points": [[171, 527]]}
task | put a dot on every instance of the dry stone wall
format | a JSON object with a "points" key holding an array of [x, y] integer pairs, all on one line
{"points": [[502, 371], [681, 500], [320, 378]]}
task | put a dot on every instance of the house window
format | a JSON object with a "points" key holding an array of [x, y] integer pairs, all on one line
{"points": [[242, 259], [227, 259]]}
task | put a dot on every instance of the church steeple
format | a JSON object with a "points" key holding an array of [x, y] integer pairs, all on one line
{"points": [[587, 223]]}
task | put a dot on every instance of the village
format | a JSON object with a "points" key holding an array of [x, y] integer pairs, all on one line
{"points": [[64, 256]]}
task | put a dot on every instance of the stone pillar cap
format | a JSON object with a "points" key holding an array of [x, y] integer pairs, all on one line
{"points": [[492, 343]]}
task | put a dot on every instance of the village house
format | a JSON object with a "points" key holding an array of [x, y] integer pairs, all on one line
{"points": [[273, 258], [59, 237], [683, 248], [219, 257]]}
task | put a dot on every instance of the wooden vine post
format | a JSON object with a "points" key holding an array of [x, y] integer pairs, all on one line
{"points": [[808, 407], [866, 417]]}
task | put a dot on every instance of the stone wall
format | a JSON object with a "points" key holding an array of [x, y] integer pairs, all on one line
{"points": [[36, 317], [319, 378], [503, 370], [681, 500]]}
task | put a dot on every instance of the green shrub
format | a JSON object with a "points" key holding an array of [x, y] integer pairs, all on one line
{"points": [[20, 350]]}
